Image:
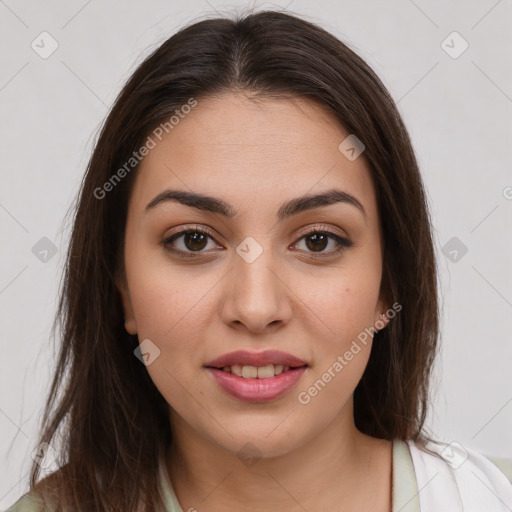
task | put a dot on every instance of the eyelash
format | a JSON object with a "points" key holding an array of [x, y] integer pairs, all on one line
{"points": [[344, 243]]}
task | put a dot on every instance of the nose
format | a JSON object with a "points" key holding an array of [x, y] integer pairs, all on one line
{"points": [[256, 295]]}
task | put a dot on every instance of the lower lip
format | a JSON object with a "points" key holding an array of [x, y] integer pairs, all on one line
{"points": [[257, 390]]}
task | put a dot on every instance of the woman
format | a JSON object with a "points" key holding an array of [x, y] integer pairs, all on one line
{"points": [[249, 312]]}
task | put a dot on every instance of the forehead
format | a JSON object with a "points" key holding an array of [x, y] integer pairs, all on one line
{"points": [[257, 152]]}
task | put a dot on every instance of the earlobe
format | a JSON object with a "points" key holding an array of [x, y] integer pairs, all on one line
{"points": [[129, 318], [130, 326], [381, 319]]}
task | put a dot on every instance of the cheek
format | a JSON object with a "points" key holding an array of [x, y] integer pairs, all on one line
{"points": [[342, 355], [331, 386], [170, 309], [341, 304], [173, 307], [164, 294]]}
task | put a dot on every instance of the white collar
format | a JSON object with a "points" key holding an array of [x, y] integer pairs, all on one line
{"points": [[456, 479], [447, 482]]}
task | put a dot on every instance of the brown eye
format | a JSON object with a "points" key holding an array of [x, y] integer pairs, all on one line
{"points": [[317, 241], [195, 241], [189, 241]]}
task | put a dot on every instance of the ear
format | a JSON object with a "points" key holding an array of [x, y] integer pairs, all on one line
{"points": [[381, 319], [129, 323]]}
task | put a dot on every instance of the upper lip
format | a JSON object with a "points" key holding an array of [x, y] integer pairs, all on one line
{"points": [[245, 358]]}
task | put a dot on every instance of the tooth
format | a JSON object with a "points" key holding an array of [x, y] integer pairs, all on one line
{"points": [[236, 369], [256, 372], [278, 369], [250, 372], [264, 372]]}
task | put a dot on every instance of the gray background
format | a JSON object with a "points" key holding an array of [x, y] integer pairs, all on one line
{"points": [[458, 112]]}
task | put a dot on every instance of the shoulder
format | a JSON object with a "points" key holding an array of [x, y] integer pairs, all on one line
{"points": [[43, 497], [504, 465], [461, 476], [29, 502], [455, 455]]}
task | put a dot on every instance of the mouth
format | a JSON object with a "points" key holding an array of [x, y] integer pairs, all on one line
{"points": [[257, 372], [243, 363], [253, 384], [256, 376]]}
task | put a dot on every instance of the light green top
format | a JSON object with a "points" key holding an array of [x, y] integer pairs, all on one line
{"points": [[404, 495]]}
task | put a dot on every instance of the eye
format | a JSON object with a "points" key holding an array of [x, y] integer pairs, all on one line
{"points": [[195, 240], [316, 241]]}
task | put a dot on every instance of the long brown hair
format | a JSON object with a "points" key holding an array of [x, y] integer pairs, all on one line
{"points": [[103, 408]]}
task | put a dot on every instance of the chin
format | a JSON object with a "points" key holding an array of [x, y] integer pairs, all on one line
{"points": [[263, 440]]}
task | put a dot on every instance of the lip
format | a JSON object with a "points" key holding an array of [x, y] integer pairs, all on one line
{"points": [[257, 390], [246, 358]]}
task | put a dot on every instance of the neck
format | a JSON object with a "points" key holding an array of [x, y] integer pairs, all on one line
{"points": [[341, 469]]}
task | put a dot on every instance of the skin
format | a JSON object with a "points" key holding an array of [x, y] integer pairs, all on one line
{"points": [[255, 155]]}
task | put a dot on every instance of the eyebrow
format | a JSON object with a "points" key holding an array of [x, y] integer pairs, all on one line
{"points": [[287, 209]]}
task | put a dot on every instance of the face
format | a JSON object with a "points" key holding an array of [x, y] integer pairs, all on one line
{"points": [[251, 274]]}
